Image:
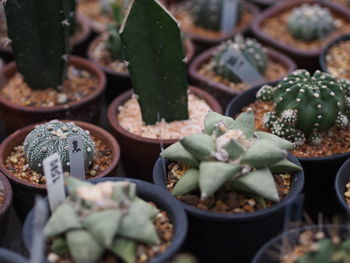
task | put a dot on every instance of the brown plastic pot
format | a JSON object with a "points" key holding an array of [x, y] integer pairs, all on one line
{"points": [[307, 59], [139, 153], [220, 91], [15, 116], [6, 205], [24, 192]]}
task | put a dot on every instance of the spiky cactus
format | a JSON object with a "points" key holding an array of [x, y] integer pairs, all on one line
{"points": [[52, 137], [97, 218], [230, 151], [310, 22], [306, 105], [249, 48]]}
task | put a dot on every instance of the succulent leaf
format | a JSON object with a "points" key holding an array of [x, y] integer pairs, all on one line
{"points": [[245, 122], [177, 152], [187, 183], [322, 255], [284, 166], [212, 119], [125, 249], [283, 144], [234, 150], [59, 246], [201, 146]]}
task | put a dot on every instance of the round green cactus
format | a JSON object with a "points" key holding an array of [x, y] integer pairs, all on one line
{"points": [[52, 137], [306, 105], [249, 48], [310, 22]]}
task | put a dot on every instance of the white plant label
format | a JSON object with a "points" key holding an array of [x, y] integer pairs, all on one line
{"points": [[55, 180], [229, 15], [240, 66], [76, 157]]}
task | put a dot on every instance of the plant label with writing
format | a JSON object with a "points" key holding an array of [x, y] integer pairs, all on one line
{"points": [[76, 157], [240, 66], [55, 180], [229, 15]]}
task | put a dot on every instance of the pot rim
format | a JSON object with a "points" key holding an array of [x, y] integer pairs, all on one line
{"points": [[8, 195], [339, 187], [10, 255], [94, 130]]}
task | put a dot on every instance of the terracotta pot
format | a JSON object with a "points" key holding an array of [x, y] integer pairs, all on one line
{"points": [[139, 153], [5, 206], [87, 109], [307, 59], [220, 91], [24, 192]]}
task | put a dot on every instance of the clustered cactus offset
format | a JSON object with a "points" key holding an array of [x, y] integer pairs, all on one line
{"points": [[306, 105], [310, 22], [230, 151], [94, 219], [249, 48], [52, 137]]}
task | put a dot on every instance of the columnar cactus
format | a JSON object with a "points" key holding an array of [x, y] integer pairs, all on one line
{"points": [[98, 218], [52, 137], [249, 48], [310, 22], [306, 105], [208, 13], [230, 151]]}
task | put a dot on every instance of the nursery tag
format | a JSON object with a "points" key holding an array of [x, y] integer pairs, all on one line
{"points": [[55, 180], [239, 65], [229, 15], [76, 157]]}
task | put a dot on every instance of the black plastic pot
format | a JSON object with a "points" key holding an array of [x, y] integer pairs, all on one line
{"points": [[342, 178], [272, 248], [224, 238], [148, 192], [319, 172], [7, 256]]}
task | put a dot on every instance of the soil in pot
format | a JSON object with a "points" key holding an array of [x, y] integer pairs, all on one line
{"points": [[338, 59]]}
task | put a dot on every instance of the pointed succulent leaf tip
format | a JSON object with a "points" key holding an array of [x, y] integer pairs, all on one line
{"points": [[156, 63], [259, 182], [284, 166], [176, 152], [213, 119], [213, 175], [283, 144], [245, 122], [187, 183], [146, 208], [125, 249], [201, 146], [124, 192]]}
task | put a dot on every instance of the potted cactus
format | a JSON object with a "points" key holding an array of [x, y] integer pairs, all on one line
{"points": [[162, 110], [302, 28], [5, 204], [210, 71], [22, 154], [130, 220], [49, 83], [234, 182]]}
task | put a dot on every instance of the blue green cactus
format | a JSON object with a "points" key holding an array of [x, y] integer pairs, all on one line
{"points": [[230, 152], [250, 49], [310, 22], [52, 137], [306, 105]]}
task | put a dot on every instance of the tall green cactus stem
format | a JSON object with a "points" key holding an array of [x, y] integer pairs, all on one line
{"points": [[230, 151], [52, 137], [154, 50], [99, 218], [40, 40], [306, 105], [249, 48], [310, 22]]}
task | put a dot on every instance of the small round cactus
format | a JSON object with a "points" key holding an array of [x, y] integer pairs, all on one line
{"points": [[250, 49], [306, 105], [310, 22], [52, 137]]}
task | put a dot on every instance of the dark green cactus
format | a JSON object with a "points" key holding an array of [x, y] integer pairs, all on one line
{"points": [[155, 54], [230, 151], [249, 48], [40, 39], [310, 22], [99, 218], [306, 105]]}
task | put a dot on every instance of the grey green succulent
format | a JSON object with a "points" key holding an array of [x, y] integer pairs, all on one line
{"points": [[230, 151], [310, 22], [98, 218], [52, 137], [250, 49], [306, 105]]}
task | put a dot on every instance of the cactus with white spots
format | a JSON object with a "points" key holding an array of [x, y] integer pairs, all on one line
{"points": [[306, 105], [250, 49], [310, 22], [52, 137]]}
